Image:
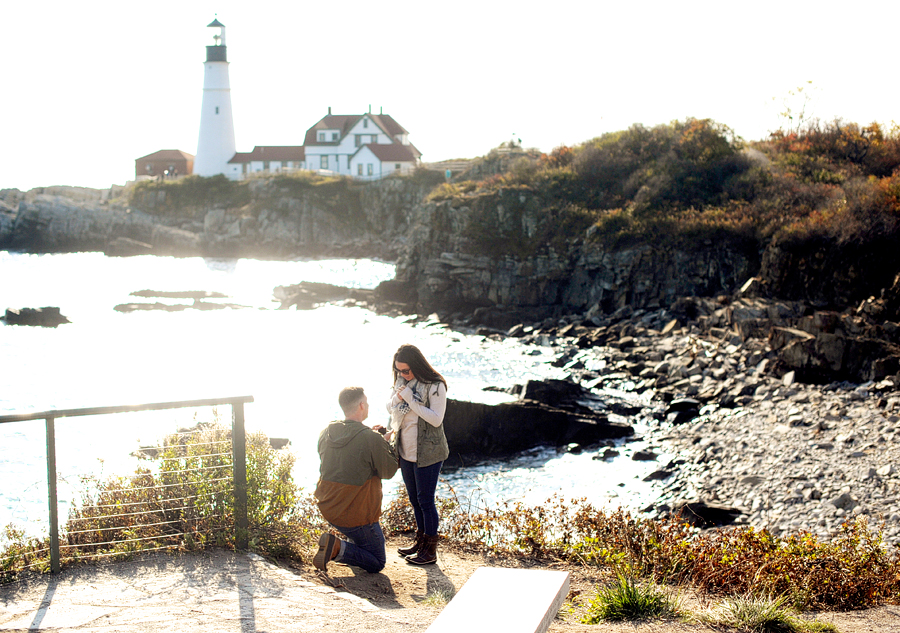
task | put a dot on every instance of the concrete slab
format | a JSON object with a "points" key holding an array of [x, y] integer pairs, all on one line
{"points": [[502, 599]]}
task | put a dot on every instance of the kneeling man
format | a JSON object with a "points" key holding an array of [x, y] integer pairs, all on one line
{"points": [[354, 460]]}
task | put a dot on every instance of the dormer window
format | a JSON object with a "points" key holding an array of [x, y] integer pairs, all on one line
{"points": [[321, 137], [334, 136]]}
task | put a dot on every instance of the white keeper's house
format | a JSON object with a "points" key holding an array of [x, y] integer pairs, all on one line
{"points": [[368, 146], [364, 146]]}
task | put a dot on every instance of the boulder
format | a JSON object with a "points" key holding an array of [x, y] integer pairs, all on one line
{"points": [[561, 394], [127, 247], [702, 514], [682, 410], [307, 294], [483, 430], [40, 317]]}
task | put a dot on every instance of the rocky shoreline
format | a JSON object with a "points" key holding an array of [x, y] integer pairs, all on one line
{"points": [[729, 424], [784, 455]]}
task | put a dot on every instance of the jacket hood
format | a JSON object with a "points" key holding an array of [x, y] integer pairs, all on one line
{"points": [[339, 433]]}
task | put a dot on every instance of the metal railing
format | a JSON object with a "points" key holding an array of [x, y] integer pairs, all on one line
{"points": [[238, 443]]}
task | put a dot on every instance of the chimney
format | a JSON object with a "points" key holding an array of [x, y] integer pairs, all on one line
{"points": [[381, 110], [329, 110], [370, 108]]}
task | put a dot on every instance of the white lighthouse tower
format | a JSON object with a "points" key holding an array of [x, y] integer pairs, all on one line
{"points": [[216, 144]]}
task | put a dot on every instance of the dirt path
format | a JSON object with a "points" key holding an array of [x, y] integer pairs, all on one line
{"points": [[425, 589]]}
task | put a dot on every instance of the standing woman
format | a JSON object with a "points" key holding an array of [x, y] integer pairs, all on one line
{"points": [[417, 405]]}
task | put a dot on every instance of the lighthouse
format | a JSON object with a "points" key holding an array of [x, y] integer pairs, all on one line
{"points": [[215, 146]]}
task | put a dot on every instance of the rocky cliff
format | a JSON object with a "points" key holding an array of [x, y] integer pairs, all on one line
{"points": [[503, 250], [507, 254]]}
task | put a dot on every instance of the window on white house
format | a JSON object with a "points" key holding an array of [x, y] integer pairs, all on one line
{"points": [[334, 136], [321, 137], [397, 166], [265, 165], [365, 124], [324, 162], [369, 169], [357, 139], [217, 109], [374, 138], [244, 168], [348, 163], [359, 169]]}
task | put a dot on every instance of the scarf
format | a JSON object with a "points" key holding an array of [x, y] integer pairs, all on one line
{"points": [[400, 409]]}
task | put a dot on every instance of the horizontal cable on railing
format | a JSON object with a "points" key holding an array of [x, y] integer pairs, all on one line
{"points": [[135, 526], [105, 554], [182, 483], [175, 472], [129, 540], [167, 446], [24, 554], [145, 501], [132, 514]]}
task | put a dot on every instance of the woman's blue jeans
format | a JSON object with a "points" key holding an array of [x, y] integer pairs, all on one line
{"points": [[365, 547], [421, 484]]}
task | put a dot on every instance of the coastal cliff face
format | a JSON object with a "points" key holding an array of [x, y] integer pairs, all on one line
{"points": [[495, 251]]}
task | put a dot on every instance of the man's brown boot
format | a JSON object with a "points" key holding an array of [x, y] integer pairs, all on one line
{"points": [[412, 549], [427, 554], [329, 548]]}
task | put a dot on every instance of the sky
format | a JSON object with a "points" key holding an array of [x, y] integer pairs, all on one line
{"points": [[88, 87]]}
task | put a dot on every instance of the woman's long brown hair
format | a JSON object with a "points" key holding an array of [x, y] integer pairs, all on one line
{"points": [[421, 368]]}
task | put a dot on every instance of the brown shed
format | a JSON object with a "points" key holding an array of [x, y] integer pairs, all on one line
{"points": [[167, 163]]}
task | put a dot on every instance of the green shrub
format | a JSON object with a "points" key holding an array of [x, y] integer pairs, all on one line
{"points": [[190, 196]]}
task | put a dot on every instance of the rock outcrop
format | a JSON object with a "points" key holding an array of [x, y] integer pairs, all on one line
{"points": [[40, 317], [53, 223], [477, 430]]}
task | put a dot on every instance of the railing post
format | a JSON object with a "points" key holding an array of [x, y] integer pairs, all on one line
{"points": [[51, 495], [239, 450]]}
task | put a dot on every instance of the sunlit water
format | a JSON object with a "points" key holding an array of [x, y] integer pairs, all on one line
{"points": [[293, 363]]}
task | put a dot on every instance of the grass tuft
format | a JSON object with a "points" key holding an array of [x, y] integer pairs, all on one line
{"points": [[628, 599], [763, 615], [438, 597]]}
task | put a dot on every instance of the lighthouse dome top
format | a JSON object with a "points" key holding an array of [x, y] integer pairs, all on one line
{"points": [[215, 23]]}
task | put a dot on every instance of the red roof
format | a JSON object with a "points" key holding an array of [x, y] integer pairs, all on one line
{"points": [[340, 122], [387, 123], [345, 122], [394, 152], [271, 152], [168, 154]]}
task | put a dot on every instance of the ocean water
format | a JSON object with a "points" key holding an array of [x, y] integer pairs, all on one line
{"points": [[293, 362]]}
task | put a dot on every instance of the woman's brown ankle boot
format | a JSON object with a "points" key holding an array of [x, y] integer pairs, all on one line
{"points": [[427, 554], [412, 549]]}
